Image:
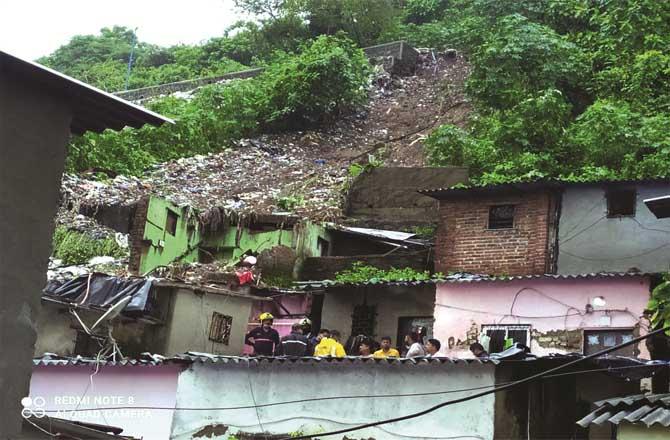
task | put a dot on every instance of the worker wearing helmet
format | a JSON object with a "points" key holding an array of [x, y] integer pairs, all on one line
{"points": [[264, 339]]}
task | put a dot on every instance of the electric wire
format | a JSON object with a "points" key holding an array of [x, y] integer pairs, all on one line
{"points": [[565, 240], [363, 396], [483, 393]]}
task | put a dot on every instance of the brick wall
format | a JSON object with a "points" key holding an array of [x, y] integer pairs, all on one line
{"points": [[464, 242], [136, 236]]}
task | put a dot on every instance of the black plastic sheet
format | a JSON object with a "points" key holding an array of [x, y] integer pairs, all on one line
{"points": [[103, 291]]}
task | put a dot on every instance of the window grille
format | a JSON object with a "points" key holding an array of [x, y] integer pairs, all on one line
{"points": [[219, 330], [501, 217]]}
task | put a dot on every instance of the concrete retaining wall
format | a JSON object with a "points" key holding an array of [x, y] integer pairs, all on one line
{"points": [[385, 197]]}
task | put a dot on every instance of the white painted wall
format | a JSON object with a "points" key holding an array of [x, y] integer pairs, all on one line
{"points": [[229, 385]]}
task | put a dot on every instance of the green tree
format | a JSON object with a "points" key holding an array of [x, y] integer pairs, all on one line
{"points": [[521, 58]]}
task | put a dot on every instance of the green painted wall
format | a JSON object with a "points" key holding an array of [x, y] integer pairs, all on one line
{"points": [[627, 431], [232, 244], [229, 245], [165, 247]]}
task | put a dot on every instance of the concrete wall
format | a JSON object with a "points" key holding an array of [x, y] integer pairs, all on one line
{"points": [[392, 303], [191, 317], [555, 310], [62, 387], [591, 242], [246, 383], [55, 331], [158, 246], [398, 202], [34, 129], [628, 431]]}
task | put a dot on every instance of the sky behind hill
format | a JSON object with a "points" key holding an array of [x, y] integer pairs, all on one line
{"points": [[34, 28]]}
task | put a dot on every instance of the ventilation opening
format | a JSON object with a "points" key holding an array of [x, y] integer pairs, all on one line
{"points": [[171, 222], [219, 330], [501, 217], [621, 203]]}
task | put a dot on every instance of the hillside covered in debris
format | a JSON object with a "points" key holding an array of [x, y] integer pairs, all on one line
{"points": [[305, 172]]}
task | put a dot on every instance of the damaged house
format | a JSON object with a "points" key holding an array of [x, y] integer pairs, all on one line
{"points": [[162, 316], [548, 313]]}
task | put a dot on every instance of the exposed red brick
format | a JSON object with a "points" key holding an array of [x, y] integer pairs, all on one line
{"points": [[464, 243], [136, 239]]}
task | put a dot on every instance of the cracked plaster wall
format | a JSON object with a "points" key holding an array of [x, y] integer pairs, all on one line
{"points": [[461, 310]]}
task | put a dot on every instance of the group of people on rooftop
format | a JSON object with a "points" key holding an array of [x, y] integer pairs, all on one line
{"points": [[327, 343]]}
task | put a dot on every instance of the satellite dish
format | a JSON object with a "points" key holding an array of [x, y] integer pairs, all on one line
{"points": [[113, 311]]}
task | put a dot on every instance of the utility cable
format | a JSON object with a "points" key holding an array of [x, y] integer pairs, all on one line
{"points": [[364, 396], [483, 393]]}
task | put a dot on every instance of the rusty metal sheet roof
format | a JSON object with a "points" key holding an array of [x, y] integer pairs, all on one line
{"points": [[92, 108], [646, 409]]}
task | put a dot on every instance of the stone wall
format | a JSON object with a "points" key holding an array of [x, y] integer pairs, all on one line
{"points": [[387, 198], [465, 243], [402, 55]]}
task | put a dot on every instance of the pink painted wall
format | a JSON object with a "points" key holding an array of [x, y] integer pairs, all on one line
{"points": [[295, 304], [541, 303], [62, 386]]}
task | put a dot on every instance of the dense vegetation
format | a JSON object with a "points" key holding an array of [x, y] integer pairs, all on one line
{"points": [[578, 89], [571, 88], [364, 273], [328, 77], [72, 247]]}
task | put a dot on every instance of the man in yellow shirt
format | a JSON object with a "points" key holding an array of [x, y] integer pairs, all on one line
{"points": [[386, 350], [330, 346]]}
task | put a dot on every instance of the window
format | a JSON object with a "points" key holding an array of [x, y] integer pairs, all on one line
{"points": [[501, 333], [323, 246], [621, 202], [219, 330], [501, 217], [363, 320], [171, 222], [597, 340]]}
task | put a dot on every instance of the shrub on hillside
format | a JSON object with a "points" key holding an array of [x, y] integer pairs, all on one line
{"points": [[328, 78]]}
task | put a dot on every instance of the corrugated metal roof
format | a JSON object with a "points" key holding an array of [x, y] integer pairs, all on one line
{"points": [[469, 278], [532, 185], [648, 409], [63, 361], [206, 358], [93, 109], [347, 360]]}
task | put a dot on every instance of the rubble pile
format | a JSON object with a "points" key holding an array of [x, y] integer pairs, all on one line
{"points": [[58, 272], [303, 172]]}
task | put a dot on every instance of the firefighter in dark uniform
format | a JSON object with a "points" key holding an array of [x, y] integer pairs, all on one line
{"points": [[296, 344], [264, 339]]}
